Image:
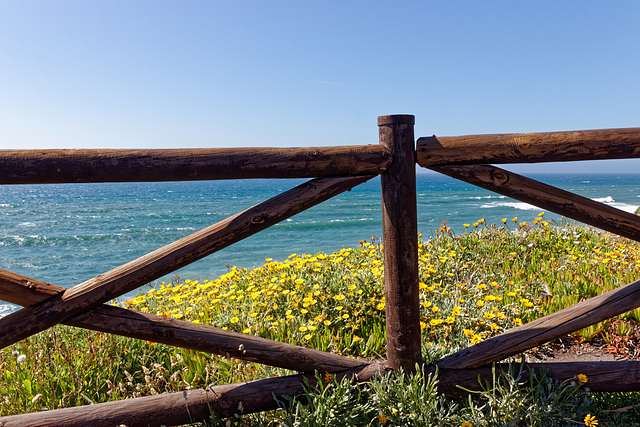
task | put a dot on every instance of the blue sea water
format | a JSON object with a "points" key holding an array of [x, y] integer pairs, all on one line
{"points": [[67, 233]]}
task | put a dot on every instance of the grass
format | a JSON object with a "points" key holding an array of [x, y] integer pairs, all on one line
{"points": [[473, 285]]}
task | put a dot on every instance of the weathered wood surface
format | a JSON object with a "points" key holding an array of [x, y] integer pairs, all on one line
{"points": [[400, 237], [602, 376], [65, 166], [18, 289], [546, 329], [547, 197], [256, 396], [182, 407], [598, 144], [120, 280]]}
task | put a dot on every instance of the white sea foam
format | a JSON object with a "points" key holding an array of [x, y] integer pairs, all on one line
{"points": [[488, 197], [607, 199], [516, 205], [6, 309], [620, 205], [610, 201]]}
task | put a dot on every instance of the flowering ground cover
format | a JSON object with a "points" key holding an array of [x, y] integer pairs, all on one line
{"points": [[473, 285]]}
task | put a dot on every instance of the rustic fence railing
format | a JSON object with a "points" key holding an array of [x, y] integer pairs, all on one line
{"points": [[336, 169]]}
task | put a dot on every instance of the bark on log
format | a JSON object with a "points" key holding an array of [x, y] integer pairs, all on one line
{"points": [[547, 197], [25, 291], [182, 407], [598, 144], [400, 238], [546, 329], [602, 376], [66, 166], [128, 277], [257, 396]]}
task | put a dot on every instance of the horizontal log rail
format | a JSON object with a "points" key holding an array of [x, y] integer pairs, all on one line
{"points": [[546, 329], [105, 287], [22, 290], [547, 197], [257, 396], [183, 407], [462, 157], [602, 376], [596, 144], [69, 166]]}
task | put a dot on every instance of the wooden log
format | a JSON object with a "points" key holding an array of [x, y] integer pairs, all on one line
{"points": [[400, 238], [596, 144], [25, 291], [65, 166], [256, 396], [182, 407], [120, 280], [615, 376], [547, 328], [547, 197]]}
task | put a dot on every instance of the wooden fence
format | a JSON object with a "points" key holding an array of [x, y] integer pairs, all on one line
{"points": [[335, 169]]}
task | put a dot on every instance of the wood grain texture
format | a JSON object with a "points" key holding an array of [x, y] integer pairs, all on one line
{"points": [[66, 166], [18, 289], [615, 376], [547, 328], [400, 238], [185, 406], [123, 279], [256, 396], [547, 197], [595, 144]]}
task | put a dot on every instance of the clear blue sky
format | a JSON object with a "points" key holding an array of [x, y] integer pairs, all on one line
{"points": [[165, 74]]}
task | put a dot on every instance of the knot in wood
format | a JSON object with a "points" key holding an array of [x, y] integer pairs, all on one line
{"points": [[257, 220], [500, 177]]}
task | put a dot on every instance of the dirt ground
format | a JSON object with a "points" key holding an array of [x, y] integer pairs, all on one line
{"points": [[569, 350]]}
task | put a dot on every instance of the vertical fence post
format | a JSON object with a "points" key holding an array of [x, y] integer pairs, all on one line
{"points": [[400, 240]]}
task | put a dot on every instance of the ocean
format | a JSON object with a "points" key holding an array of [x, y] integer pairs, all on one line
{"points": [[65, 234]]}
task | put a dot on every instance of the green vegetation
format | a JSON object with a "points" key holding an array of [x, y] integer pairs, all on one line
{"points": [[473, 286]]}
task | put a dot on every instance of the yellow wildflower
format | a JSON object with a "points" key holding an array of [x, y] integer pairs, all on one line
{"points": [[590, 420]]}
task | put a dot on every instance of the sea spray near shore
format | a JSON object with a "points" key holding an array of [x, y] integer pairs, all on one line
{"points": [[66, 234]]}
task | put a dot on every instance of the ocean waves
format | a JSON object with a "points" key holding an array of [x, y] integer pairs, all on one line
{"points": [[66, 234], [608, 200]]}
